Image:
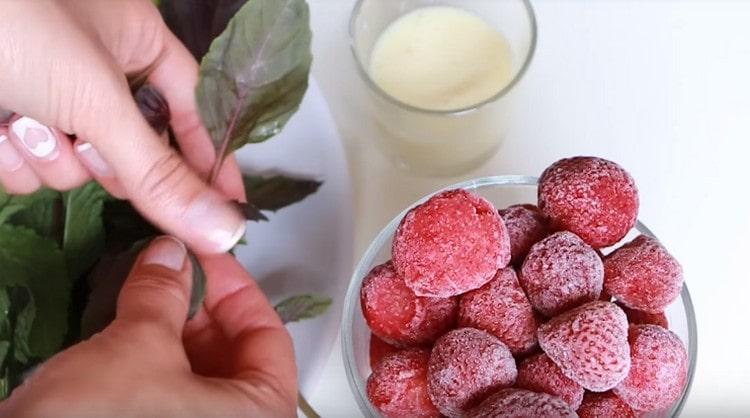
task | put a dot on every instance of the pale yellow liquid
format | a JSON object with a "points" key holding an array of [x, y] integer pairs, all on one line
{"points": [[441, 58]]}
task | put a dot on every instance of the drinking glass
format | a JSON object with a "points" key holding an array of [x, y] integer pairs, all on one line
{"points": [[442, 142]]}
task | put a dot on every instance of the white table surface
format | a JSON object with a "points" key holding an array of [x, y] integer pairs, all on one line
{"points": [[662, 87]]}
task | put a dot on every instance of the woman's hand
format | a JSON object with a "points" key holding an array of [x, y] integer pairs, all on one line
{"points": [[64, 72], [235, 358]]}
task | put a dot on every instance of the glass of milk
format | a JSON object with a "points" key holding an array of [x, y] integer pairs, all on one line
{"points": [[441, 76]]}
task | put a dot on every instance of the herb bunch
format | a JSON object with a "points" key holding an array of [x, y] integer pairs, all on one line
{"points": [[64, 255]]}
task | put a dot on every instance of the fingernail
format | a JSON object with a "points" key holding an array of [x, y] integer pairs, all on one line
{"points": [[165, 252], [93, 160], [10, 159], [211, 217], [36, 138]]}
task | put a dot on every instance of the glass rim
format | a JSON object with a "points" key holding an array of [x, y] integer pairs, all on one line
{"points": [[366, 261], [450, 112]]}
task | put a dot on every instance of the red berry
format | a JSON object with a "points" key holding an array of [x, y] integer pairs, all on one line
{"points": [[398, 316], [561, 272], [453, 243], [526, 225], [541, 374], [397, 386], [501, 308], [379, 349], [519, 403], [589, 344], [466, 365], [636, 317], [643, 275], [604, 405], [592, 197], [658, 373]]}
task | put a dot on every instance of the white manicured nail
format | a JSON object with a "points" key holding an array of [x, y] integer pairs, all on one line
{"points": [[10, 160], [208, 216], [36, 138], [93, 160]]}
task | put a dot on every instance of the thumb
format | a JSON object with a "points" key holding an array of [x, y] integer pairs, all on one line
{"points": [[157, 291], [159, 183]]}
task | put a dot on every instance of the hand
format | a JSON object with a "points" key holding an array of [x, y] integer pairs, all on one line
{"points": [[234, 359], [64, 67]]}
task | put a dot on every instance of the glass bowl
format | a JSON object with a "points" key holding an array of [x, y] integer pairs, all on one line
{"points": [[502, 191]]}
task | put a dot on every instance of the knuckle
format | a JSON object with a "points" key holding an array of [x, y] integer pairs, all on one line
{"points": [[162, 178], [146, 33], [158, 288]]}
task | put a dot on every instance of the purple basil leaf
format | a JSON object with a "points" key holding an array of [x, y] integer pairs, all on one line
{"points": [[255, 74], [153, 107], [252, 213], [5, 115], [277, 192], [198, 22]]}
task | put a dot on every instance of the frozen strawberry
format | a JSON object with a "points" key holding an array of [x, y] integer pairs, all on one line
{"points": [[397, 386], [540, 374], [589, 344], [561, 272], [643, 275], [453, 243], [398, 316], [658, 373], [501, 308], [466, 365], [636, 317], [379, 349], [526, 225], [520, 403], [604, 405], [592, 197]]}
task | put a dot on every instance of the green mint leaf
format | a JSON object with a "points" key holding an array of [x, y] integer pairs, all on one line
{"points": [[30, 261], [255, 74], [197, 22], [298, 308], [35, 211], [5, 383], [22, 330], [4, 307], [198, 293], [4, 347], [277, 192], [83, 236]]}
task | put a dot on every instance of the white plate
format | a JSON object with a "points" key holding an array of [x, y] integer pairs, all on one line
{"points": [[306, 248]]}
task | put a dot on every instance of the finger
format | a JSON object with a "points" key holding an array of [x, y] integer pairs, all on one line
{"points": [[158, 182], [48, 152], [175, 76], [229, 180], [157, 291], [15, 174], [98, 168], [262, 346]]}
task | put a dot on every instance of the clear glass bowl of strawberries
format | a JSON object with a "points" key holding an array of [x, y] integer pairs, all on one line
{"points": [[476, 303]]}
